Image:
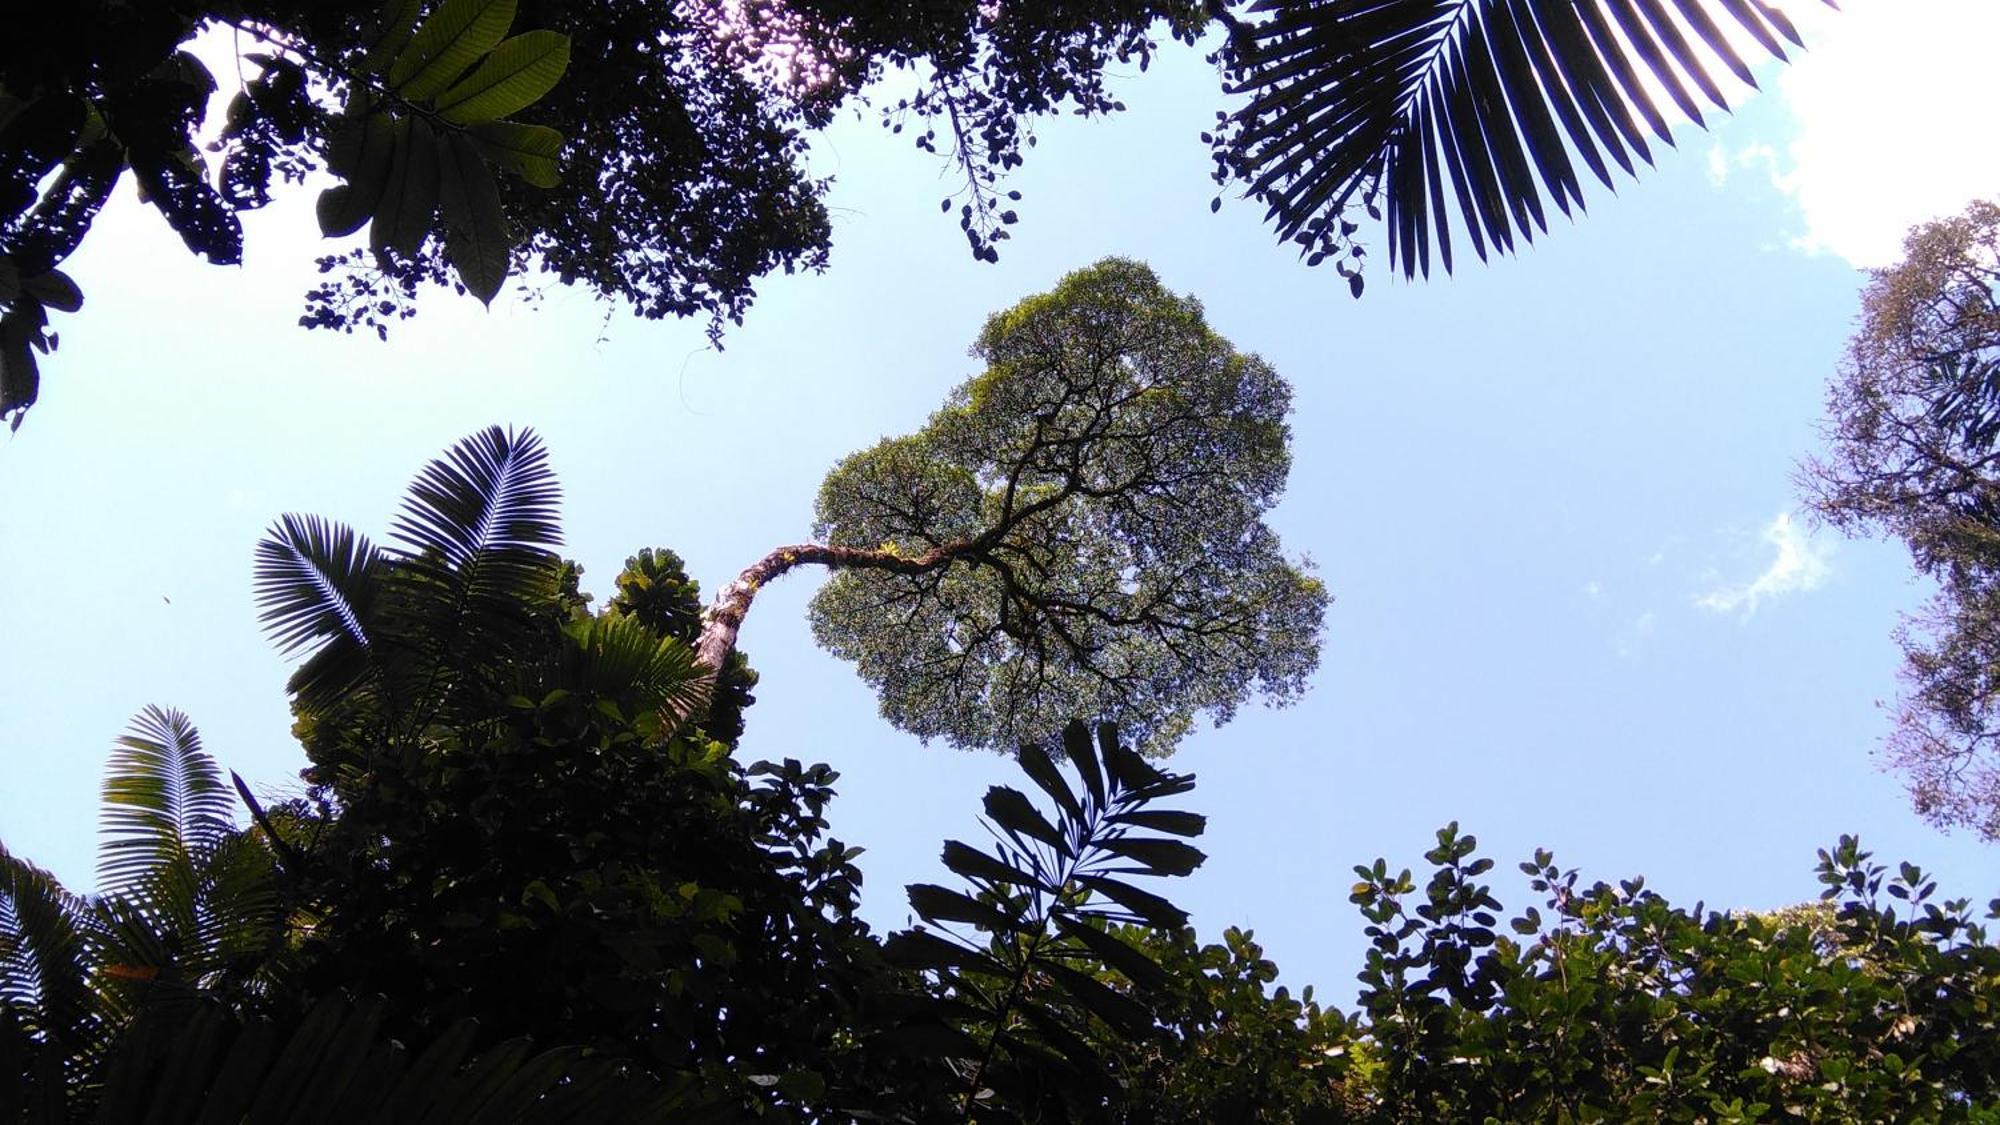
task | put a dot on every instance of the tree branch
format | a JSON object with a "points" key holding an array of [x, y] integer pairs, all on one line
{"points": [[723, 619]]}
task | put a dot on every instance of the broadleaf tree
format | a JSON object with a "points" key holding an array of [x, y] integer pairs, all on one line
{"points": [[1913, 451], [1078, 532]]}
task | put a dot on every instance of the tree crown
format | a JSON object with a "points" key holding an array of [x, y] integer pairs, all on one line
{"points": [[1080, 530]]}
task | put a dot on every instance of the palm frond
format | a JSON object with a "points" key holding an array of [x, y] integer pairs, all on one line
{"points": [[316, 581], [618, 657], [488, 506], [242, 908], [478, 528], [45, 957], [1479, 106], [164, 801], [318, 584]]}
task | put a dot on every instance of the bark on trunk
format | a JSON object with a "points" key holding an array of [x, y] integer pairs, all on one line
{"points": [[723, 618]]}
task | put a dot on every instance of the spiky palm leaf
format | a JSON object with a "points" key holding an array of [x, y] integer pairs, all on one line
{"points": [[484, 516], [620, 658], [318, 584], [478, 529], [190, 902], [1485, 105], [45, 956], [165, 802]]}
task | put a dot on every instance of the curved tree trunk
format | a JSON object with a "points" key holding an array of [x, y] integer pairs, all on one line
{"points": [[723, 618]]}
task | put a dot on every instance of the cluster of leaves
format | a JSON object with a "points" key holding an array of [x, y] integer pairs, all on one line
{"points": [[1078, 532], [426, 117], [93, 89], [1233, 1045], [187, 907], [511, 825], [206, 1063], [1617, 1005], [684, 179], [1912, 423], [1019, 997], [513, 828], [147, 1002]]}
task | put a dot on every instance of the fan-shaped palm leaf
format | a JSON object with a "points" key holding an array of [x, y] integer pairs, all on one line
{"points": [[45, 955], [165, 802], [620, 658], [1484, 105], [318, 584]]}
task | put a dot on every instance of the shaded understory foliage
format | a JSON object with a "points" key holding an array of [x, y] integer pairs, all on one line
{"points": [[523, 821]]}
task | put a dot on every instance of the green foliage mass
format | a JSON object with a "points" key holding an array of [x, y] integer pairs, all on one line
{"points": [[512, 830], [1089, 516], [655, 589]]}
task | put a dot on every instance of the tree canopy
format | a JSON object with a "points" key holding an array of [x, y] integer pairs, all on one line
{"points": [[655, 153], [1912, 422], [1079, 531]]}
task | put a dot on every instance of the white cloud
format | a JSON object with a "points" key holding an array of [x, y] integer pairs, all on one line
{"points": [[1594, 590], [1800, 566], [1892, 102]]}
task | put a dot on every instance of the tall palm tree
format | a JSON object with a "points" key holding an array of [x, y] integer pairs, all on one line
{"points": [[408, 645], [1423, 108], [188, 905]]}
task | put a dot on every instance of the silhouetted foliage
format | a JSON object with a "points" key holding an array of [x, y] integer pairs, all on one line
{"points": [[654, 153], [516, 826], [1486, 104]]}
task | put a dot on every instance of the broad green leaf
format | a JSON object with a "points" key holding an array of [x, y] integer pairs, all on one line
{"points": [[431, 1072], [1125, 1015], [302, 1054], [512, 78], [1011, 810], [55, 290], [1139, 968], [1041, 769], [1165, 820], [528, 151], [475, 228], [455, 36], [1076, 743], [922, 949], [399, 22], [971, 863], [368, 147], [942, 904], [409, 203], [1156, 911], [1161, 857]]}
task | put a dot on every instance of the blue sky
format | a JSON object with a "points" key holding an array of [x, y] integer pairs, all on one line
{"points": [[1576, 604]]}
